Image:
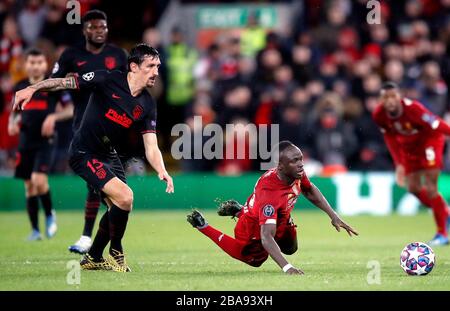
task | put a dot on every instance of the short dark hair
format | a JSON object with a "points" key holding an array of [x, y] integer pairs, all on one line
{"points": [[139, 52], [284, 145], [93, 14], [33, 51], [389, 86]]}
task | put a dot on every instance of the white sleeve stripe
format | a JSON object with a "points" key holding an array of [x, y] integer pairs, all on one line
{"points": [[435, 124], [271, 221]]}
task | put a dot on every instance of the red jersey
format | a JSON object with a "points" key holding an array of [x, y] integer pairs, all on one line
{"points": [[411, 134], [273, 200]]}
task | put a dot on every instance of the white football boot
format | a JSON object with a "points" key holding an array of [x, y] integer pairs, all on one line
{"points": [[81, 246]]}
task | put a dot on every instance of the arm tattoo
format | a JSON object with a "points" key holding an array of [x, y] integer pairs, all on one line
{"points": [[56, 84]]}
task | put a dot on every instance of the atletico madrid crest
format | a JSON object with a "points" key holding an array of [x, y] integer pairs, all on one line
{"points": [[110, 62]]}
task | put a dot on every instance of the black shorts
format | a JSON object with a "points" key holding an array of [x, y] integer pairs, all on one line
{"points": [[96, 170], [33, 160]]}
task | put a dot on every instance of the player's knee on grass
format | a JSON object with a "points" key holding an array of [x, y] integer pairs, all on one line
{"points": [[289, 251], [256, 260], [254, 254], [256, 263], [289, 247]]}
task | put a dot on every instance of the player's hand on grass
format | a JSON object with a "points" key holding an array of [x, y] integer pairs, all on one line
{"points": [[166, 177], [21, 98], [400, 175], [48, 127], [339, 223], [294, 270]]}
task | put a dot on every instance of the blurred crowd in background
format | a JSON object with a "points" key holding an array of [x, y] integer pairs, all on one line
{"points": [[318, 80]]}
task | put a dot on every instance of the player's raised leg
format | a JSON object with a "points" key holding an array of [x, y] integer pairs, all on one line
{"points": [[91, 208], [233, 247]]}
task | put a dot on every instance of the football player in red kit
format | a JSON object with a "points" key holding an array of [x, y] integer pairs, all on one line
{"points": [[415, 138], [265, 225]]}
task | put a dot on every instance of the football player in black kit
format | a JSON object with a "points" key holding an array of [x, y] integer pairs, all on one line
{"points": [[119, 101], [35, 148], [95, 54]]}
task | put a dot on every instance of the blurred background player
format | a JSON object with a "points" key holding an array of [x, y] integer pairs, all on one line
{"points": [[415, 138], [265, 226], [95, 54], [35, 149]]}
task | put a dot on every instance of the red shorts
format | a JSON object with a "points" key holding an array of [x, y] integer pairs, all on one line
{"points": [[247, 231], [427, 156]]}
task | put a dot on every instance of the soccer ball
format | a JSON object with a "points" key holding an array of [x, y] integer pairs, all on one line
{"points": [[417, 258]]}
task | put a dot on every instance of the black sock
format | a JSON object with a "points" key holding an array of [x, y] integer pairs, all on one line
{"points": [[46, 200], [90, 212], [118, 219], [101, 238], [32, 209]]}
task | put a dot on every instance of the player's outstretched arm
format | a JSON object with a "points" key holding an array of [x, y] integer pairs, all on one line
{"points": [[267, 239], [316, 197], [23, 96], [154, 157]]}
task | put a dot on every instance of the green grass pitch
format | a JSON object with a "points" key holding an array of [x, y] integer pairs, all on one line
{"points": [[166, 253]]}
